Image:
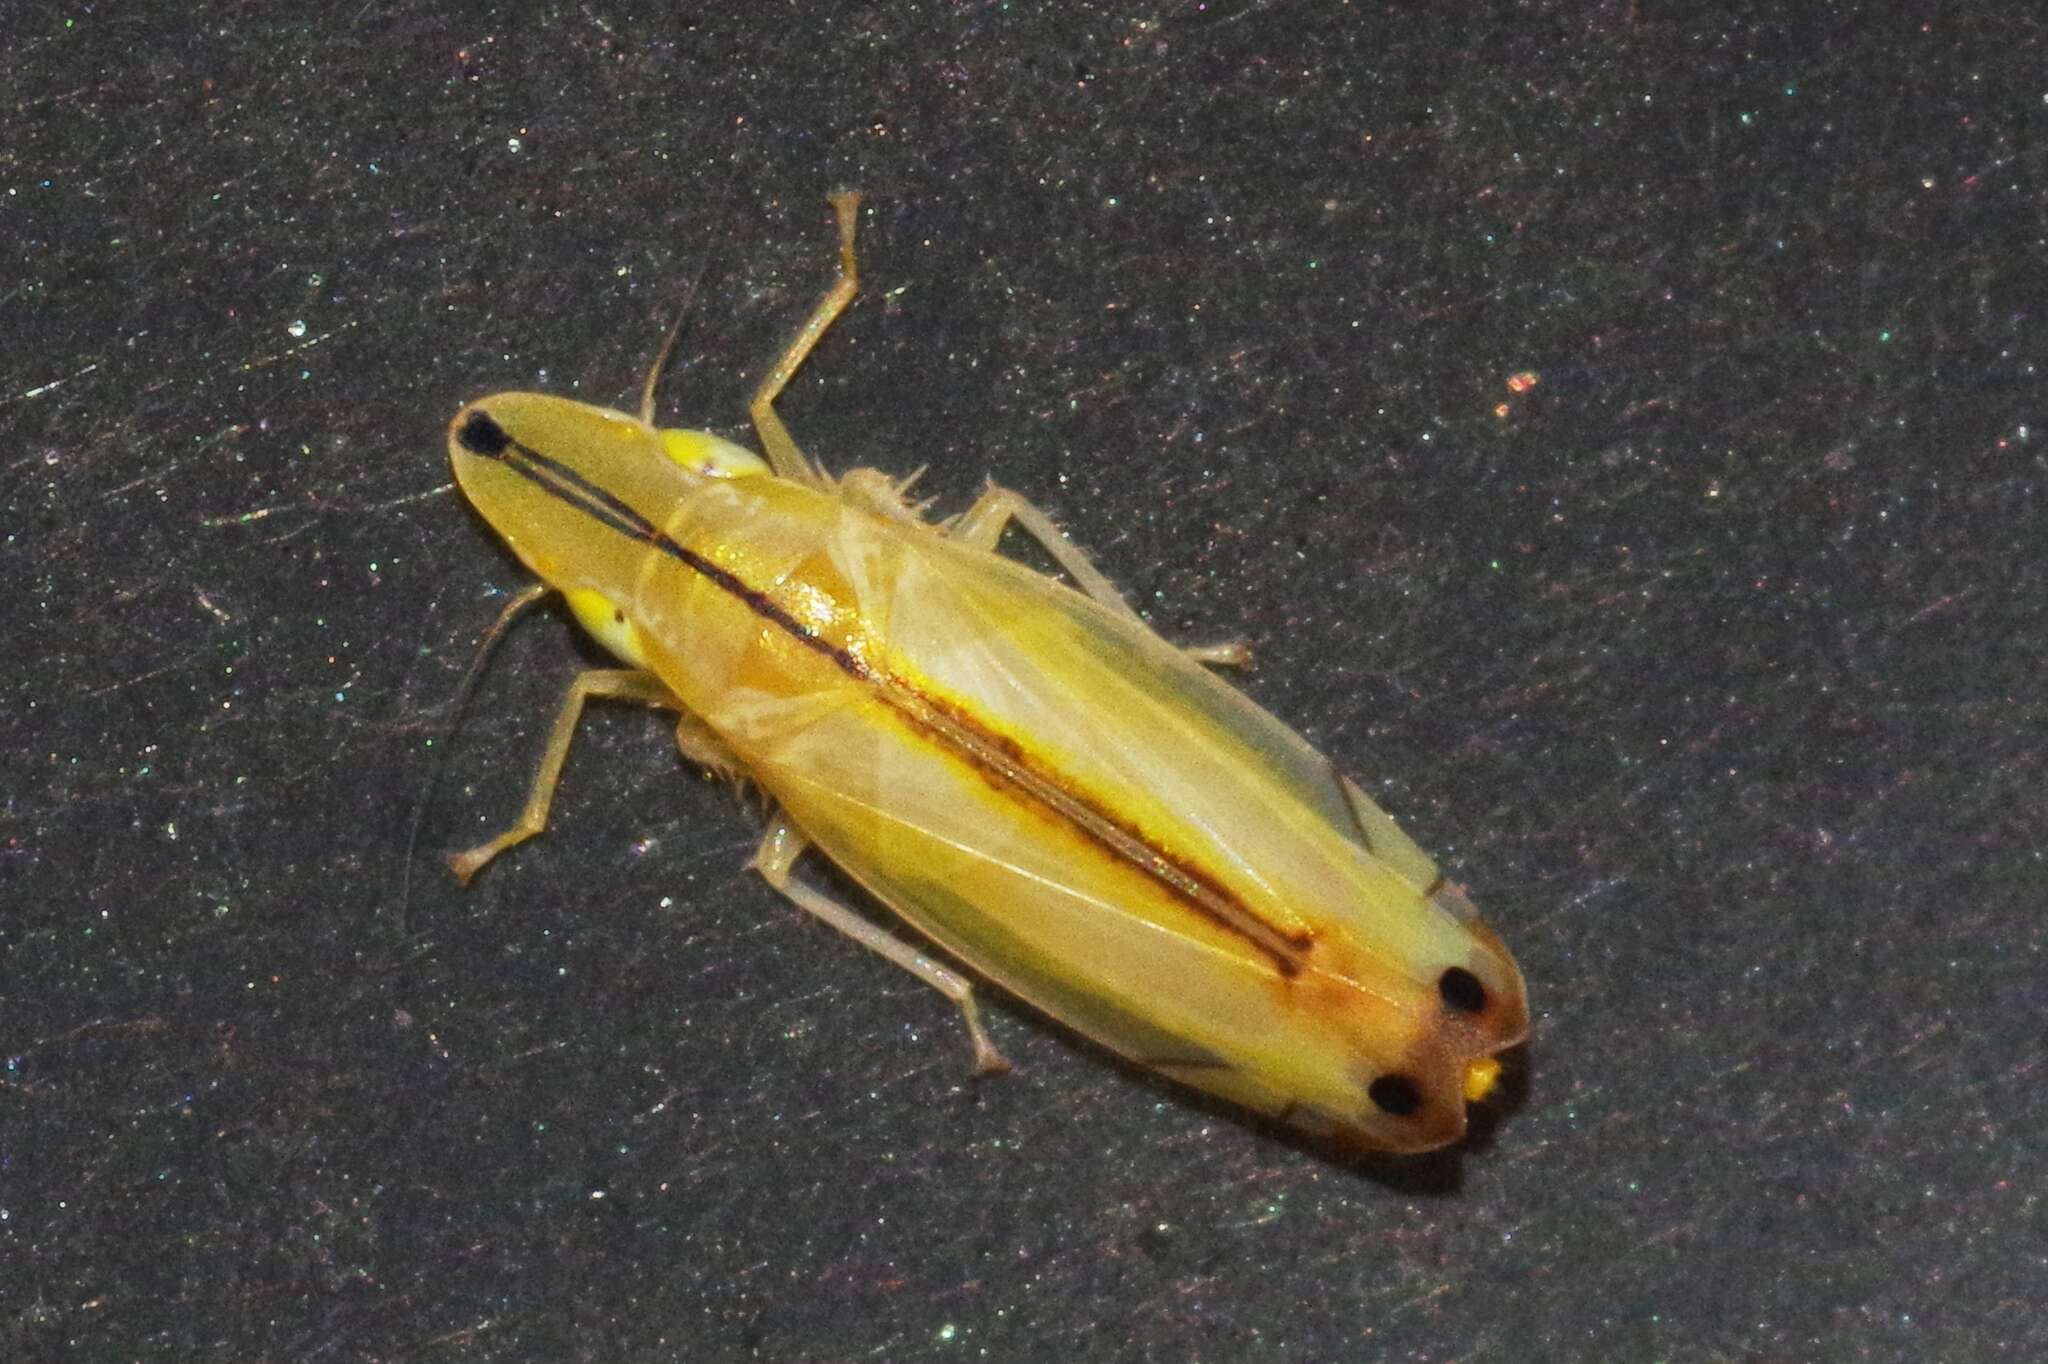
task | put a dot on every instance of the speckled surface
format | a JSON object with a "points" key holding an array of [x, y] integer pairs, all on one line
{"points": [[1712, 663]]}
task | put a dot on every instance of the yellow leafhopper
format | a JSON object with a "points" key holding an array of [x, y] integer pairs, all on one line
{"points": [[1038, 784]]}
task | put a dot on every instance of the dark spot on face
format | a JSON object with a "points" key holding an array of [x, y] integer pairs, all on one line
{"points": [[1461, 991], [481, 436], [1396, 1095]]}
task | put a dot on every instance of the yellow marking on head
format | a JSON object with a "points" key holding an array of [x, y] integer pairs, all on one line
{"points": [[1480, 1077], [607, 624], [703, 453]]}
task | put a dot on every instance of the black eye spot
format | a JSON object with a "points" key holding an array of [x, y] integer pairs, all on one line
{"points": [[482, 436], [1397, 1095], [1461, 990]]}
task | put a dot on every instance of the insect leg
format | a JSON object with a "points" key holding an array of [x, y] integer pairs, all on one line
{"points": [[783, 455], [612, 684], [982, 524], [1231, 653], [780, 848], [700, 744]]}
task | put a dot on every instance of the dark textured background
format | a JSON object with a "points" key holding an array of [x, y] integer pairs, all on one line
{"points": [[1713, 665]]}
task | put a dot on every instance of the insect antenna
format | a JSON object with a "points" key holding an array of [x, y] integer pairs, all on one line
{"points": [[675, 332]]}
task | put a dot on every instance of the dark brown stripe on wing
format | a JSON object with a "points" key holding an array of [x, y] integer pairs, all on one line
{"points": [[1004, 759]]}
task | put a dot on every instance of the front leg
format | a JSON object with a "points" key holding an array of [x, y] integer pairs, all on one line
{"points": [[610, 684], [784, 457]]}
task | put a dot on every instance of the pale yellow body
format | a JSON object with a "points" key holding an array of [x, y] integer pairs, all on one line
{"points": [[1028, 775]]}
